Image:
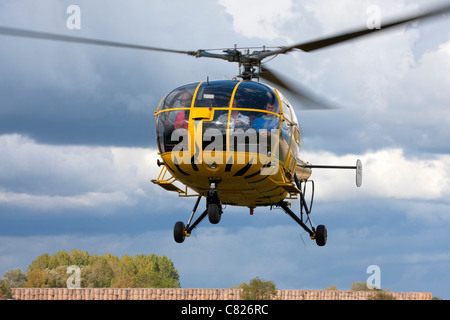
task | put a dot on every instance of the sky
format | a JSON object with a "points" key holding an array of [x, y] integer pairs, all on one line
{"points": [[78, 147]]}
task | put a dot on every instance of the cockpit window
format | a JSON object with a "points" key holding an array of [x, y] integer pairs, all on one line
{"points": [[253, 114], [179, 98], [253, 95], [215, 94]]}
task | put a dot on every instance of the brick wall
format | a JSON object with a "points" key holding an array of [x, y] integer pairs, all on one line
{"points": [[192, 294]]}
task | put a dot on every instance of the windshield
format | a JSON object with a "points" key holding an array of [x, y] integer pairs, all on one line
{"points": [[179, 98], [215, 94], [254, 107]]}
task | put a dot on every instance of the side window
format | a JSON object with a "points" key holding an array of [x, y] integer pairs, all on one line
{"points": [[167, 122], [253, 95], [287, 111], [286, 128], [179, 98], [294, 116], [295, 143]]}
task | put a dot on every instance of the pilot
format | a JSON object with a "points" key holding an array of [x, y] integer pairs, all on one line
{"points": [[269, 120], [237, 119], [182, 118]]}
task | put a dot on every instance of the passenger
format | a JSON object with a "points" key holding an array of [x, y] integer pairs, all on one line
{"points": [[182, 118], [237, 119]]}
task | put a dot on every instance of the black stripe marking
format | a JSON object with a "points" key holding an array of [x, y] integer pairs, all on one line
{"points": [[229, 165], [175, 162], [253, 174], [194, 166], [243, 170], [267, 165]]}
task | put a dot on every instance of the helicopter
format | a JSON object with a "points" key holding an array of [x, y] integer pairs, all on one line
{"points": [[237, 142]]}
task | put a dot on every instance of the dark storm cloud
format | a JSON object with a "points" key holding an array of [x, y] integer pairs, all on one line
{"points": [[68, 93]]}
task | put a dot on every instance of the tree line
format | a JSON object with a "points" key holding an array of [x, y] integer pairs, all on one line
{"points": [[140, 271], [105, 271]]}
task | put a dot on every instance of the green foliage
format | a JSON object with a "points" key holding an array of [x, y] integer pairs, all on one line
{"points": [[378, 294], [381, 295], [258, 289], [5, 290], [13, 279], [332, 288], [359, 286], [106, 271]]}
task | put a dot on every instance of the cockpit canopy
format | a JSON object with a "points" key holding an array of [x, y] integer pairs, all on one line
{"points": [[218, 94], [225, 107]]}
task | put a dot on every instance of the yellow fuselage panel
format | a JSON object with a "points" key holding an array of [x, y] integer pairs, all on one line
{"points": [[253, 183]]}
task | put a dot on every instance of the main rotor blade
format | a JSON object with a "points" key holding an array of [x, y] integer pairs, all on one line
{"points": [[58, 37], [329, 41], [309, 99]]}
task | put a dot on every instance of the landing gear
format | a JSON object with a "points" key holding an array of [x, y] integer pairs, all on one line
{"points": [[213, 203], [320, 233], [179, 232], [213, 211]]}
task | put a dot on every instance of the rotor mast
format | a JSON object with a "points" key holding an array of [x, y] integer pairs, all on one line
{"points": [[251, 62]]}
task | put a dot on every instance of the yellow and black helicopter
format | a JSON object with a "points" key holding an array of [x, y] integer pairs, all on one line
{"points": [[236, 142]]}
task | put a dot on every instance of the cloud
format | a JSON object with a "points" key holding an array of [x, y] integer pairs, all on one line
{"points": [[387, 173], [101, 95], [47, 177], [267, 22]]}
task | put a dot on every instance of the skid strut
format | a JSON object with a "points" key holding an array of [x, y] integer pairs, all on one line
{"points": [[284, 206], [189, 228], [213, 211], [320, 233]]}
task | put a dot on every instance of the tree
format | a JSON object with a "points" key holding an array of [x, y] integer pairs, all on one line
{"points": [[60, 258], [124, 273], [258, 289], [81, 258], [15, 278], [332, 288], [378, 294], [102, 271], [168, 275], [42, 262], [359, 286], [5, 290], [381, 295], [106, 271]]}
